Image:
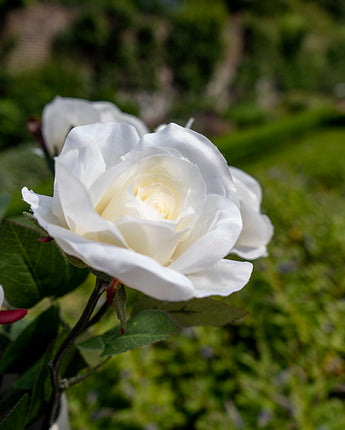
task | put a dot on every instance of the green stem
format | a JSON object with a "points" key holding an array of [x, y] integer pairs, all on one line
{"points": [[66, 383], [80, 326]]}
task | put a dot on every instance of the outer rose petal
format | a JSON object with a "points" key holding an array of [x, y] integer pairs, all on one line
{"points": [[256, 234], [86, 138], [248, 188], [109, 112], [212, 237], [134, 270], [64, 113], [79, 212], [42, 208], [257, 228], [222, 279], [198, 149], [60, 115]]}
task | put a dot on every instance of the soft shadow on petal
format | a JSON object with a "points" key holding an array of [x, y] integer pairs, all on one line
{"points": [[60, 115], [109, 112], [157, 240], [79, 211], [212, 237], [132, 269], [86, 164], [256, 234], [248, 188], [42, 208], [200, 151], [222, 279]]}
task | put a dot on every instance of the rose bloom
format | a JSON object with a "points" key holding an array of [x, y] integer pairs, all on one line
{"points": [[64, 113], [158, 212]]}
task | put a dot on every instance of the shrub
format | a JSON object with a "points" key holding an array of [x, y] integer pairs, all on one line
{"points": [[249, 143], [194, 43]]}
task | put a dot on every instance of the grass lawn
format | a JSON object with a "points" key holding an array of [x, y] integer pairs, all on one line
{"points": [[281, 367]]}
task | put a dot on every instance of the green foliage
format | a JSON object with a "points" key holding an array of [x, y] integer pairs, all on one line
{"points": [[194, 312], [146, 327], [26, 93], [336, 8], [100, 39], [246, 114], [15, 420], [31, 343], [4, 202], [40, 269], [293, 30], [257, 141], [194, 43], [11, 122], [335, 57]]}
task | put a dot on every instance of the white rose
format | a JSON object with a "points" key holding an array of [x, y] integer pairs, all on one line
{"points": [[64, 113], [159, 213], [257, 228]]}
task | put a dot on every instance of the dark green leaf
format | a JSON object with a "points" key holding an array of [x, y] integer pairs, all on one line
{"points": [[4, 203], [42, 388], [31, 270], [144, 328], [4, 341], [27, 380], [31, 343], [193, 312], [15, 420]]}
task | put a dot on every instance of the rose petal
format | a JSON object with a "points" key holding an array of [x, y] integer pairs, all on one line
{"points": [[79, 212], [109, 112], [42, 206], [256, 234], [212, 237], [86, 164], [199, 150], [112, 139], [60, 115], [223, 279], [132, 269], [248, 188], [157, 240]]}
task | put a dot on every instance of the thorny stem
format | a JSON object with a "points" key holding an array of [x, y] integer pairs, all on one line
{"points": [[80, 326]]}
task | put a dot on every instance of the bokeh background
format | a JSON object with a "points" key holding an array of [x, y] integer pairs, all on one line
{"points": [[265, 80]]}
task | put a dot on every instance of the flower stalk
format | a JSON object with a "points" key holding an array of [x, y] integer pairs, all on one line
{"points": [[81, 325]]}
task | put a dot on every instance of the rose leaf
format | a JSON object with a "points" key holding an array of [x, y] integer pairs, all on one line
{"points": [[31, 270], [17, 415], [194, 312], [4, 203], [144, 328]]}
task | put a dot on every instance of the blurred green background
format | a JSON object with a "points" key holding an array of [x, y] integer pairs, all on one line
{"points": [[266, 81]]}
